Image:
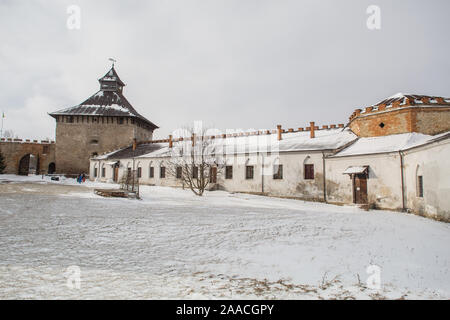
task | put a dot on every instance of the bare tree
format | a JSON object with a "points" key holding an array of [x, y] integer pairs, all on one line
{"points": [[193, 160]]}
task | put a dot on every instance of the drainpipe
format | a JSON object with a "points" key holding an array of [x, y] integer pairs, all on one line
{"points": [[402, 180], [262, 173], [324, 179]]}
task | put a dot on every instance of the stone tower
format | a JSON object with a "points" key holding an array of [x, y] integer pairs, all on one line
{"points": [[402, 113], [105, 121]]}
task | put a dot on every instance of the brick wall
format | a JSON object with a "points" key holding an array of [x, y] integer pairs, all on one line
{"points": [[14, 150], [426, 120]]}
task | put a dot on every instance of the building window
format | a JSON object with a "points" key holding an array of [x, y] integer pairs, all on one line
{"points": [[278, 171], [129, 172], [195, 172], [139, 173], [229, 172], [103, 172], [152, 172], [420, 186], [95, 172], [309, 171], [120, 120], [179, 172], [249, 170], [381, 125], [70, 119], [94, 141], [46, 149], [162, 172]]}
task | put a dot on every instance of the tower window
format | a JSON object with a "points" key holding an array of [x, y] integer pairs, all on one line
{"points": [[381, 125]]}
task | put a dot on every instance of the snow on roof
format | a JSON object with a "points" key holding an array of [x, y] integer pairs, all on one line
{"points": [[384, 144], [355, 169], [328, 139]]}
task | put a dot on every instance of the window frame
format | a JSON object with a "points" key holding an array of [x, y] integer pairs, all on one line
{"points": [[420, 186], [249, 172], [308, 171], [228, 172], [151, 172], [179, 172]]}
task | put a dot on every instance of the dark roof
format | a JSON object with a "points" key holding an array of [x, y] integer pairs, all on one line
{"points": [[128, 152], [400, 97], [112, 75], [105, 103]]}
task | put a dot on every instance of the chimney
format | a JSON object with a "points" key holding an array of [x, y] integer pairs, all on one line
{"points": [[134, 144], [279, 132], [170, 141], [312, 135], [440, 100]]}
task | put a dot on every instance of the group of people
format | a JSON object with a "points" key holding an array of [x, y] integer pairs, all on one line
{"points": [[81, 178]]}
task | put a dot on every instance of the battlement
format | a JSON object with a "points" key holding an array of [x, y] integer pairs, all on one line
{"points": [[279, 131], [402, 113], [16, 140], [400, 101]]}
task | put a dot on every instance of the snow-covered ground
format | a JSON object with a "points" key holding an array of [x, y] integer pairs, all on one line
{"points": [[173, 244]]}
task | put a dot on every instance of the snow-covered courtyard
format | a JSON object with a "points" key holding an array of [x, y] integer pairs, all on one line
{"points": [[173, 244]]}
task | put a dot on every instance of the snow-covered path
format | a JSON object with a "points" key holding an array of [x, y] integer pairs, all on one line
{"points": [[173, 244]]}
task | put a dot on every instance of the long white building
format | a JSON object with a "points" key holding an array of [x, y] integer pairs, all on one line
{"points": [[392, 155]]}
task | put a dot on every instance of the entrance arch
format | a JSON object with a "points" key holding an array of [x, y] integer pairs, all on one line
{"points": [[29, 163], [51, 168], [24, 165]]}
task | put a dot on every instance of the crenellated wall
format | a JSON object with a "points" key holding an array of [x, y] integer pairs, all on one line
{"points": [[14, 150], [425, 115]]}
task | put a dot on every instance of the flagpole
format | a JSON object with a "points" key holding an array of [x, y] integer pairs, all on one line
{"points": [[1, 131]]}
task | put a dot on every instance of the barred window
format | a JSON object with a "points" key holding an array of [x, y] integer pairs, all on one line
{"points": [[229, 172], [152, 172], [420, 186], [249, 171], [162, 172], [309, 172]]}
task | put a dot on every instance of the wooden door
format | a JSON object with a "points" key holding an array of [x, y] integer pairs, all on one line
{"points": [[116, 173], [360, 189], [213, 175]]}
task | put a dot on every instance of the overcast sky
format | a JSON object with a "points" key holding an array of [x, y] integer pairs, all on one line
{"points": [[233, 64]]}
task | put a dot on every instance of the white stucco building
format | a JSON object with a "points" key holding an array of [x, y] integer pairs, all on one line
{"points": [[386, 157]]}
